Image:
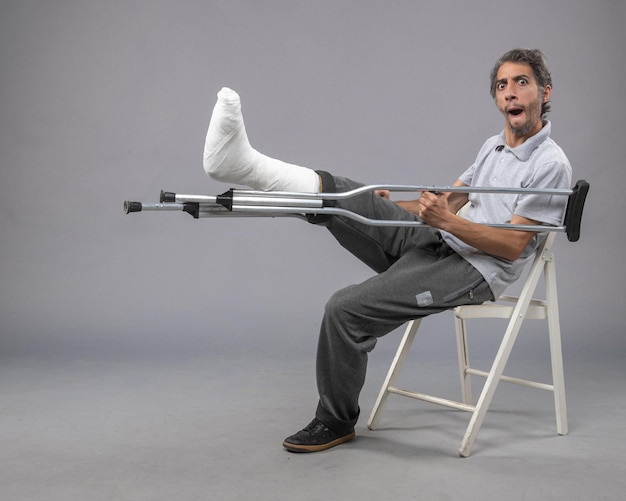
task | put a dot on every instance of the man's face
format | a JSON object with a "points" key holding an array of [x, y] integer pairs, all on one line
{"points": [[519, 99]]}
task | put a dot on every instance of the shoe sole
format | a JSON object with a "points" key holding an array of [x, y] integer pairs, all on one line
{"points": [[317, 448]]}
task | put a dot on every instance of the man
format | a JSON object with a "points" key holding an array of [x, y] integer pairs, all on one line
{"points": [[420, 270]]}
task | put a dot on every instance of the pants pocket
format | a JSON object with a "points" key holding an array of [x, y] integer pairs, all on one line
{"points": [[468, 289]]}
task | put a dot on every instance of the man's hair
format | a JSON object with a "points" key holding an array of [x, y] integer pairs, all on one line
{"points": [[536, 60]]}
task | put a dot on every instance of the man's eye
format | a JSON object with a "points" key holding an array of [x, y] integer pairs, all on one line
{"points": [[501, 86], [522, 81]]}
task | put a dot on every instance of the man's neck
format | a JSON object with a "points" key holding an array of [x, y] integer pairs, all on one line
{"points": [[513, 140]]}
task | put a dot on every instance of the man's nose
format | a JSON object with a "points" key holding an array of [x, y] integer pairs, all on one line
{"points": [[509, 92]]}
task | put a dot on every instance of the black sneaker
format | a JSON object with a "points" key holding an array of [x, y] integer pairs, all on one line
{"points": [[316, 437]]}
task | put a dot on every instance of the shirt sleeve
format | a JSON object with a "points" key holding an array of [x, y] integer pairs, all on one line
{"points": [[547, 209]]}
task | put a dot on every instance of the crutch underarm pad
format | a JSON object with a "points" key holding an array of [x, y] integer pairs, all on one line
{"points": [[574, 210]]}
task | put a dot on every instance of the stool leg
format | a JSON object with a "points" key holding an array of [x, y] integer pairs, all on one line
{"points": [[556, 354], [394, 371], [463, 356], [489, 389]]}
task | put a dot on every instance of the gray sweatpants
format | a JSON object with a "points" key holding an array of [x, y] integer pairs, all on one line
{"points": [[418, 274]]}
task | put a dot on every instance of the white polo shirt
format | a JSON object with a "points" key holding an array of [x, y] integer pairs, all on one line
{"points": [[537, 163]]}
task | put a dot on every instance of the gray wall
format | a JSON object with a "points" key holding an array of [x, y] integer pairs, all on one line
{"points": [[106, 101]]}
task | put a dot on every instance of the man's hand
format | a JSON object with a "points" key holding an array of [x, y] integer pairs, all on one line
{"points": [[383, 193], [433, 209]]}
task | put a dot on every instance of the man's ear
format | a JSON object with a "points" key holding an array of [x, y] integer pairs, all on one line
{"points": [[547, 92]]}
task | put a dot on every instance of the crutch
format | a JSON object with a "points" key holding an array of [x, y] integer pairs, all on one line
{"points": [[248, 203]]}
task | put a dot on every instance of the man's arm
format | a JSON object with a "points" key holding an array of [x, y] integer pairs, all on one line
{"points": [[439, 211]]}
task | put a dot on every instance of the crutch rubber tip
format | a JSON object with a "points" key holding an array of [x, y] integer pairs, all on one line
{"points": [[132, 207], [167, 196]]}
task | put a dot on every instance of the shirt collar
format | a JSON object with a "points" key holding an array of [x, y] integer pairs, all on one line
{"points": [[524, 150]]}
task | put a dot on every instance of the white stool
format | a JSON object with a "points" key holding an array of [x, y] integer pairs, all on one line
{"points": [[516, 309]]}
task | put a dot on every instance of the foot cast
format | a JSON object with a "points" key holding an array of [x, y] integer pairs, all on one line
{"points": [[228, 156]]}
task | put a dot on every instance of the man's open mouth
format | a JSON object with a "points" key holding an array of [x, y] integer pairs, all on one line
{"points": [[515, 111]]}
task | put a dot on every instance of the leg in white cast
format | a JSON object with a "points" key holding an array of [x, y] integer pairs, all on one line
{"points": [[229, 157]]}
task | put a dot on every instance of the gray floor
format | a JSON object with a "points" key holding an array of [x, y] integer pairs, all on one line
{"points": [[198, 426]]}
